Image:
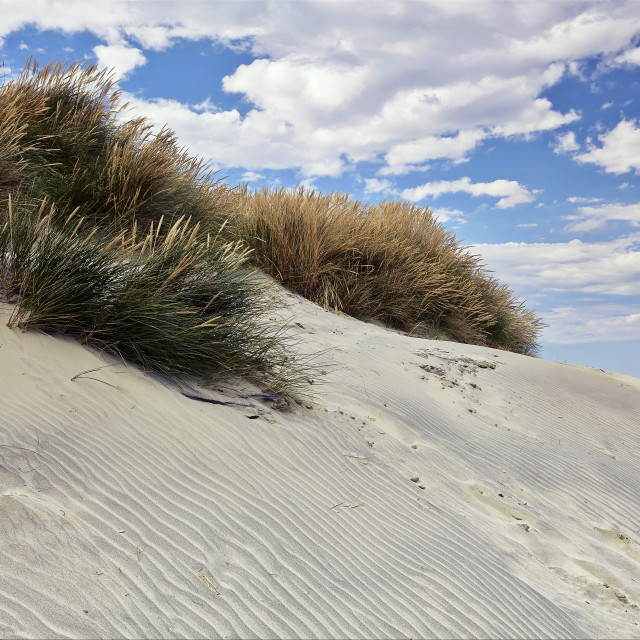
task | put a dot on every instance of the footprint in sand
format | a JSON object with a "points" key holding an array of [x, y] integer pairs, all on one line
{"points": [[493, 501], [619, 542]]}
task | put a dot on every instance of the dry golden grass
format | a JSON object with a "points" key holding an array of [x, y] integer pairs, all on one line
{"points": [[63, 136], [391, 262]]}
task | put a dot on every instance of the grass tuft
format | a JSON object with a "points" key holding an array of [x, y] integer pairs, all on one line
{"points": [[177, 304], [63, 133], [391, 262]]}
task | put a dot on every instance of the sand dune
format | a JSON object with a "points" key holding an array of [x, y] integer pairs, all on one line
{"points": [[431, 489]]}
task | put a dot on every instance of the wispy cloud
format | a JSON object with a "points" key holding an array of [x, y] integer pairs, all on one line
{"points": [[596, 217], [590, 267], [591, 323], [374, 185], [582, 200], [251, 176], [454, 216], [509, 192]]}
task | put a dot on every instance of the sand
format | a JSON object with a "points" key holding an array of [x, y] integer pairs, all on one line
{"points": [[431, 489]]}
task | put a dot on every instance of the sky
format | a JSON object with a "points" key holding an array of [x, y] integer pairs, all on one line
{"points": [[516, 122]]}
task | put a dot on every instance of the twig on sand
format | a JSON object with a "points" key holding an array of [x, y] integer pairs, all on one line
{"points": [[350, 456], [42, 455], [353, 505], [207, 580], [82, 375]]}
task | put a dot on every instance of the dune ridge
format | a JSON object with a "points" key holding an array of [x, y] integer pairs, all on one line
{"points": [[206, 520]]}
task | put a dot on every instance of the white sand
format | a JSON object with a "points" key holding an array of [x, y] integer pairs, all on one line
{"points": [[308, 522]]}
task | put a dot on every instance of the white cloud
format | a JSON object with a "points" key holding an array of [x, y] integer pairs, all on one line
{"points": [[589, 267], [408, 82], [629, 57], [373, 185], [595, 217], [402, 157], [620, 150], [591, 323], [509, 192], [226, 139], [23, 46], [283, 84], [571, 285], [528, 225], [449, 215], [582, 200], [566, 143], [606, 105], [121, 58], [251, 176]]}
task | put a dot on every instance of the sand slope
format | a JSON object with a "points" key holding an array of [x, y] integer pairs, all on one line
{"points": [[204, 520]]}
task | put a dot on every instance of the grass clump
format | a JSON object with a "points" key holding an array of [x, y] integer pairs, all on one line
{"points": [[63, 133], [176, 304], [103, 237], [391, 262]]}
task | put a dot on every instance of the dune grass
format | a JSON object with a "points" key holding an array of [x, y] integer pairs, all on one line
{"points": [[173, 303], [64, 133], [391, 262], [115, 234]]}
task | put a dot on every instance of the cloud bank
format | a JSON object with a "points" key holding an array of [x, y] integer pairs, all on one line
{"points": [[399, 83]]}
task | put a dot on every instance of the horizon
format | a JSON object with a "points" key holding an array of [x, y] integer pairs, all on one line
{"points": [[518, 125]]}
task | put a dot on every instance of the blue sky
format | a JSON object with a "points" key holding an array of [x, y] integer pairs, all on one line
{"points": [[518, 123]]}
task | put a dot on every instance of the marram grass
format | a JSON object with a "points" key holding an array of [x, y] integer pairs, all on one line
{"points": [[391, 262], [174, 303], [64, 136]]}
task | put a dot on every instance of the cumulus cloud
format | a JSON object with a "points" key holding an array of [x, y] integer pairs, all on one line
{"points": [[373, 185], [509, 192], [630, 57], [325, 90], [589, 267], [227, 139], [449, 215], [122, 59], [402, 157], [251, 176], [619, 151], [596, 217], [566, 143]]}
